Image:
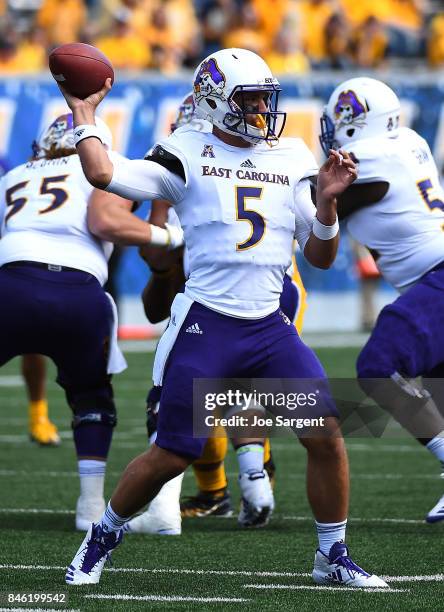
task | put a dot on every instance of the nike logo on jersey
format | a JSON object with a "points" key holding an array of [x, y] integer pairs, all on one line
{"points": [[247, 164], [194, 329]]}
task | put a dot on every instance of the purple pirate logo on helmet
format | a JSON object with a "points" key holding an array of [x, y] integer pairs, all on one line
{"points": [[209, 81], [349, 109], [58, 136], [185, 112], [62, 127]]}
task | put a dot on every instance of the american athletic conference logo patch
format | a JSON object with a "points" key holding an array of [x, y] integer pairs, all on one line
{"points": [[207, 151]]}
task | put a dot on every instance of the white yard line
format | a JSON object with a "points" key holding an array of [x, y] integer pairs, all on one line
{"points": [[312, 587], [67, 435], [352, 519], [138, 346], [204, 572], [12, 381], [39, 609], [74, 474], [428, 578], [168, 598], [122, 439], [35, 511]]}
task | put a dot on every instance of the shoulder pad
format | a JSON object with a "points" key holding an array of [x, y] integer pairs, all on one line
{"points": [[168, 160], [158, 152]]}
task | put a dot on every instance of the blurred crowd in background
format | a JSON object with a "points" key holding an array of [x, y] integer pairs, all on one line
{"points": [[294, 36]]}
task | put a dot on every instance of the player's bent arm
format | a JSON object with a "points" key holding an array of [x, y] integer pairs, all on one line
{"points": [[334, 178], [322, 244], [110, 218], [318, 252], [132, 179], [321, 253], [359, 196], [160, 291], [96, 165], [167, 276], [157, 259]]}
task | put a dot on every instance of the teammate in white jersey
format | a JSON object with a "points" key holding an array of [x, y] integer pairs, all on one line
{"points": [[396, 209], [52, 269], [241, 196]]}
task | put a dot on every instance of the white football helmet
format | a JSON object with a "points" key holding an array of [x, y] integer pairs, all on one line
{"points": [[357, 109], [59, 136], [236, 72]]}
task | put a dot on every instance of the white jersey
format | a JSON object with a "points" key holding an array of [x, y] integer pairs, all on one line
{"points": [[406, 227], [43, 210], [173, 219], [240, 209]]}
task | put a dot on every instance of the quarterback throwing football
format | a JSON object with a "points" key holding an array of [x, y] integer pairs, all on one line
{"points": [[239, 221]]}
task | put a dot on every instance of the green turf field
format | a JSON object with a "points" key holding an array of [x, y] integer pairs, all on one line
{"points": [[215, 565]]}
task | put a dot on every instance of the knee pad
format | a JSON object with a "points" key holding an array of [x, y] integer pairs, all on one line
{"points": [[395, 390], [93, 406], [407, 402], [152, 410]]}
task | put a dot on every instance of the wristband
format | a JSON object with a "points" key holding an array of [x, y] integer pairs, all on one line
{"points": [[325, 232], [176, 236], [86, 131], [159, 236]]}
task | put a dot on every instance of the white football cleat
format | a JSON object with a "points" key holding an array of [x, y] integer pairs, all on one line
{"points": [[437, 512], [338, 568], [257, 502], [95, 550], [163, 514], [89, 510]]}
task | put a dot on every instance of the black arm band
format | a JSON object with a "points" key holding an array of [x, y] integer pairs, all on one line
{"points": [[166, 159]]}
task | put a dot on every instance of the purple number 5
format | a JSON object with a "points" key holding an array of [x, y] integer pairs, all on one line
{"points": [[424, 187], [255, 219]]}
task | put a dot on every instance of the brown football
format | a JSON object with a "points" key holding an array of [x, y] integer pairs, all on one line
{"points": [[81, 69]]}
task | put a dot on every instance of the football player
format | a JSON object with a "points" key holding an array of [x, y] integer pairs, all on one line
{"points": [[242, 196], [396, 209], [33, 367], [169, 273], [52, 269]]}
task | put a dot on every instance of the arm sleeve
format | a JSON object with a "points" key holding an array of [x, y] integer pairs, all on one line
{"points": [[305, 212], [140, 179]]}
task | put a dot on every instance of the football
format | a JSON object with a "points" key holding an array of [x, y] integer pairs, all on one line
{"points": [[81, 69]]}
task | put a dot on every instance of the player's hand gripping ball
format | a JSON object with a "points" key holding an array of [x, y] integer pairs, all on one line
{"points": [[81, 69]]}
